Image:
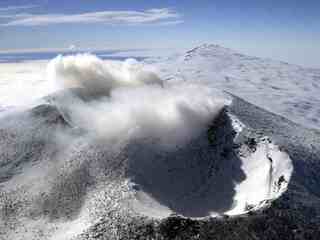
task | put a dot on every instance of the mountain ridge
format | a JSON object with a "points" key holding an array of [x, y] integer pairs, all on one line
{"points": [[285, 89]]}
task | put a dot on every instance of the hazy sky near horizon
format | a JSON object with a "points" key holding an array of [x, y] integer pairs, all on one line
{"points": [[287, 30]]}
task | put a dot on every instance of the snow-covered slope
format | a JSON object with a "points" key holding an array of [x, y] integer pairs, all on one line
{"points": [[118, 140], [58, 178], [289, 90], [120, 154]]}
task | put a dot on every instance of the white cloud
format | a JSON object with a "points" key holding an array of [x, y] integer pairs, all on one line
{"points": [[19, 7], [161, 16]]}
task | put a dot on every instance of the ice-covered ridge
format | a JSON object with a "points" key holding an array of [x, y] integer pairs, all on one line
{"points": [[206, 49]]}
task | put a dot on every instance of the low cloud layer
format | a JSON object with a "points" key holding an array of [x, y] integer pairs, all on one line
{"points": [[157, 16]]}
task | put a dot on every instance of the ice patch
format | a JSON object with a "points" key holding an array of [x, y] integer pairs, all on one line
{"points": [[268, 171]]}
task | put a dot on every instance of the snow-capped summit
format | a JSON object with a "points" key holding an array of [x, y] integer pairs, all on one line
{"points": [[289, 90], [206, 50]]}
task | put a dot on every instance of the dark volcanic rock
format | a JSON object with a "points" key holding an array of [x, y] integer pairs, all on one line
{"points": [[295, 215], [76, 167]]}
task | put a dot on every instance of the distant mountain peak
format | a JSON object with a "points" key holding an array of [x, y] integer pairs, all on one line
{"points": [[204, 46], [211, 49]]}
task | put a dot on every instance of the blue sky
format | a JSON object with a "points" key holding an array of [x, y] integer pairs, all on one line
{"points": [[286, 30]]}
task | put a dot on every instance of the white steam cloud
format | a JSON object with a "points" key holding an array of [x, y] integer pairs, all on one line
{"points": [[88, 72], [136, 103]]}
